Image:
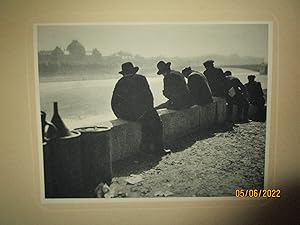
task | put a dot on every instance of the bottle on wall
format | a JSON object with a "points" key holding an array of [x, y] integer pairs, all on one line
{"points": [[61, 128], [48, 129]]}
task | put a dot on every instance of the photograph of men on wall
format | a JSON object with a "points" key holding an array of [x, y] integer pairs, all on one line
{"points": [[153, 110]]}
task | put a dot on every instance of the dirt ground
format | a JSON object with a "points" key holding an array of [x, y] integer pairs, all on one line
{"points": [[210, 163]]}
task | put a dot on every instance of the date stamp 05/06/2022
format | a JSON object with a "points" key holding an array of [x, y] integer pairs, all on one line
{"points": [[257, 193]]}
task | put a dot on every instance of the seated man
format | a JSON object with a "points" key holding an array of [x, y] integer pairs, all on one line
{"points": [[175, 88], [215, 77], [256, 98], [132, 100], [236, 94], [198, 86]]}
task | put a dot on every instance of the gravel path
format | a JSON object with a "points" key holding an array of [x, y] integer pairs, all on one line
{"points": [[214, 163]]}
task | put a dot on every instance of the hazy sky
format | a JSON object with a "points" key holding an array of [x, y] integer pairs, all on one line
{"points": [[164, 39]]}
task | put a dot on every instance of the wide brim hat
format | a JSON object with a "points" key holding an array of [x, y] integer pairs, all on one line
{"points": [[208, 62], [227, 73], [162, 67], [128, 68], [186, 71]]}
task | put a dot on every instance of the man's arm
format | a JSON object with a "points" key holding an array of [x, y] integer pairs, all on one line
{"points": [[243, 89], [116, 100], [260, 89], [193, 84], [167, 91], [147, 94]]}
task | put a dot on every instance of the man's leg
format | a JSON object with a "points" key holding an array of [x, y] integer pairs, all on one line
{"points": [[261, 112], [245, 104], [152, 132], [164, 105], [243, 107], [229, 109]]}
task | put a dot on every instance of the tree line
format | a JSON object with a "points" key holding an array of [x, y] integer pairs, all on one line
{"points": [[75, 58]]}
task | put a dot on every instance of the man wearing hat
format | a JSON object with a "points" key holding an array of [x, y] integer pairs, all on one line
{"points": [[132, 100], [256, 98], [215, 78], [198, 86], [175, 88], [236, 94]]}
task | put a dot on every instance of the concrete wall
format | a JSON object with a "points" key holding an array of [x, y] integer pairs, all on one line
{"points": [[99, 146], [126, 136], [179, 123], [221, 111]]}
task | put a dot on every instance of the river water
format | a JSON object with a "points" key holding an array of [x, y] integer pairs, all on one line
{"points": [[87, 102]]}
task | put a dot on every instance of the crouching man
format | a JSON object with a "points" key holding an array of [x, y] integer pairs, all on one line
{"points": [[175, 88], [198, 86], [236, 94]]}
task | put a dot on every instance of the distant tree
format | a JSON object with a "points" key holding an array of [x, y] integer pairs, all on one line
{"points": [[76, 49], [56, 59], [96, 53]]}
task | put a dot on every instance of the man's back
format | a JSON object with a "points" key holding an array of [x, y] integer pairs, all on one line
{"points": [[254, 89], [176, 90], [234, 82], [199, 88], [131, 97], [216, 79], [174, 84]]}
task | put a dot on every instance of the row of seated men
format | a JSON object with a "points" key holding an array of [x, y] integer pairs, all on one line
{"points": [[132, 98], [236, 93]]}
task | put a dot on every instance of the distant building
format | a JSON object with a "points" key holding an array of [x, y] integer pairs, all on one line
{"points": [[96, 53], [73, 58], [123, 55], [76, 49], [57, 53]]}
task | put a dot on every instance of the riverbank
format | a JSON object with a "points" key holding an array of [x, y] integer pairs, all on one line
{"points": [[213, 163], [85, 76], [87, 102]]}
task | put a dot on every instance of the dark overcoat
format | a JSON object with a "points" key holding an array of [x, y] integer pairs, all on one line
{"points": [[256, 98], [176, 90], [133, 100], [239, 88], [199, 88], [239, 99], [235, 82], [216, 80], [255, 93], [131, 97]]}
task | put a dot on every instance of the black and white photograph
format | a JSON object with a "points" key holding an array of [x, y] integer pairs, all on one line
{"points": [[153, 110]]}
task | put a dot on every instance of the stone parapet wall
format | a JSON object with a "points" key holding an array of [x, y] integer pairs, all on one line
{"points": [[126, 135]]}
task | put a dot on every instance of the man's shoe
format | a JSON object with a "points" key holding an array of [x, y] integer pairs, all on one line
{"points": [[167, 151]]}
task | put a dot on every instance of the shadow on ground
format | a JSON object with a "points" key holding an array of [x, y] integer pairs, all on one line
{"points": [[140, 162], [187, 141]]}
